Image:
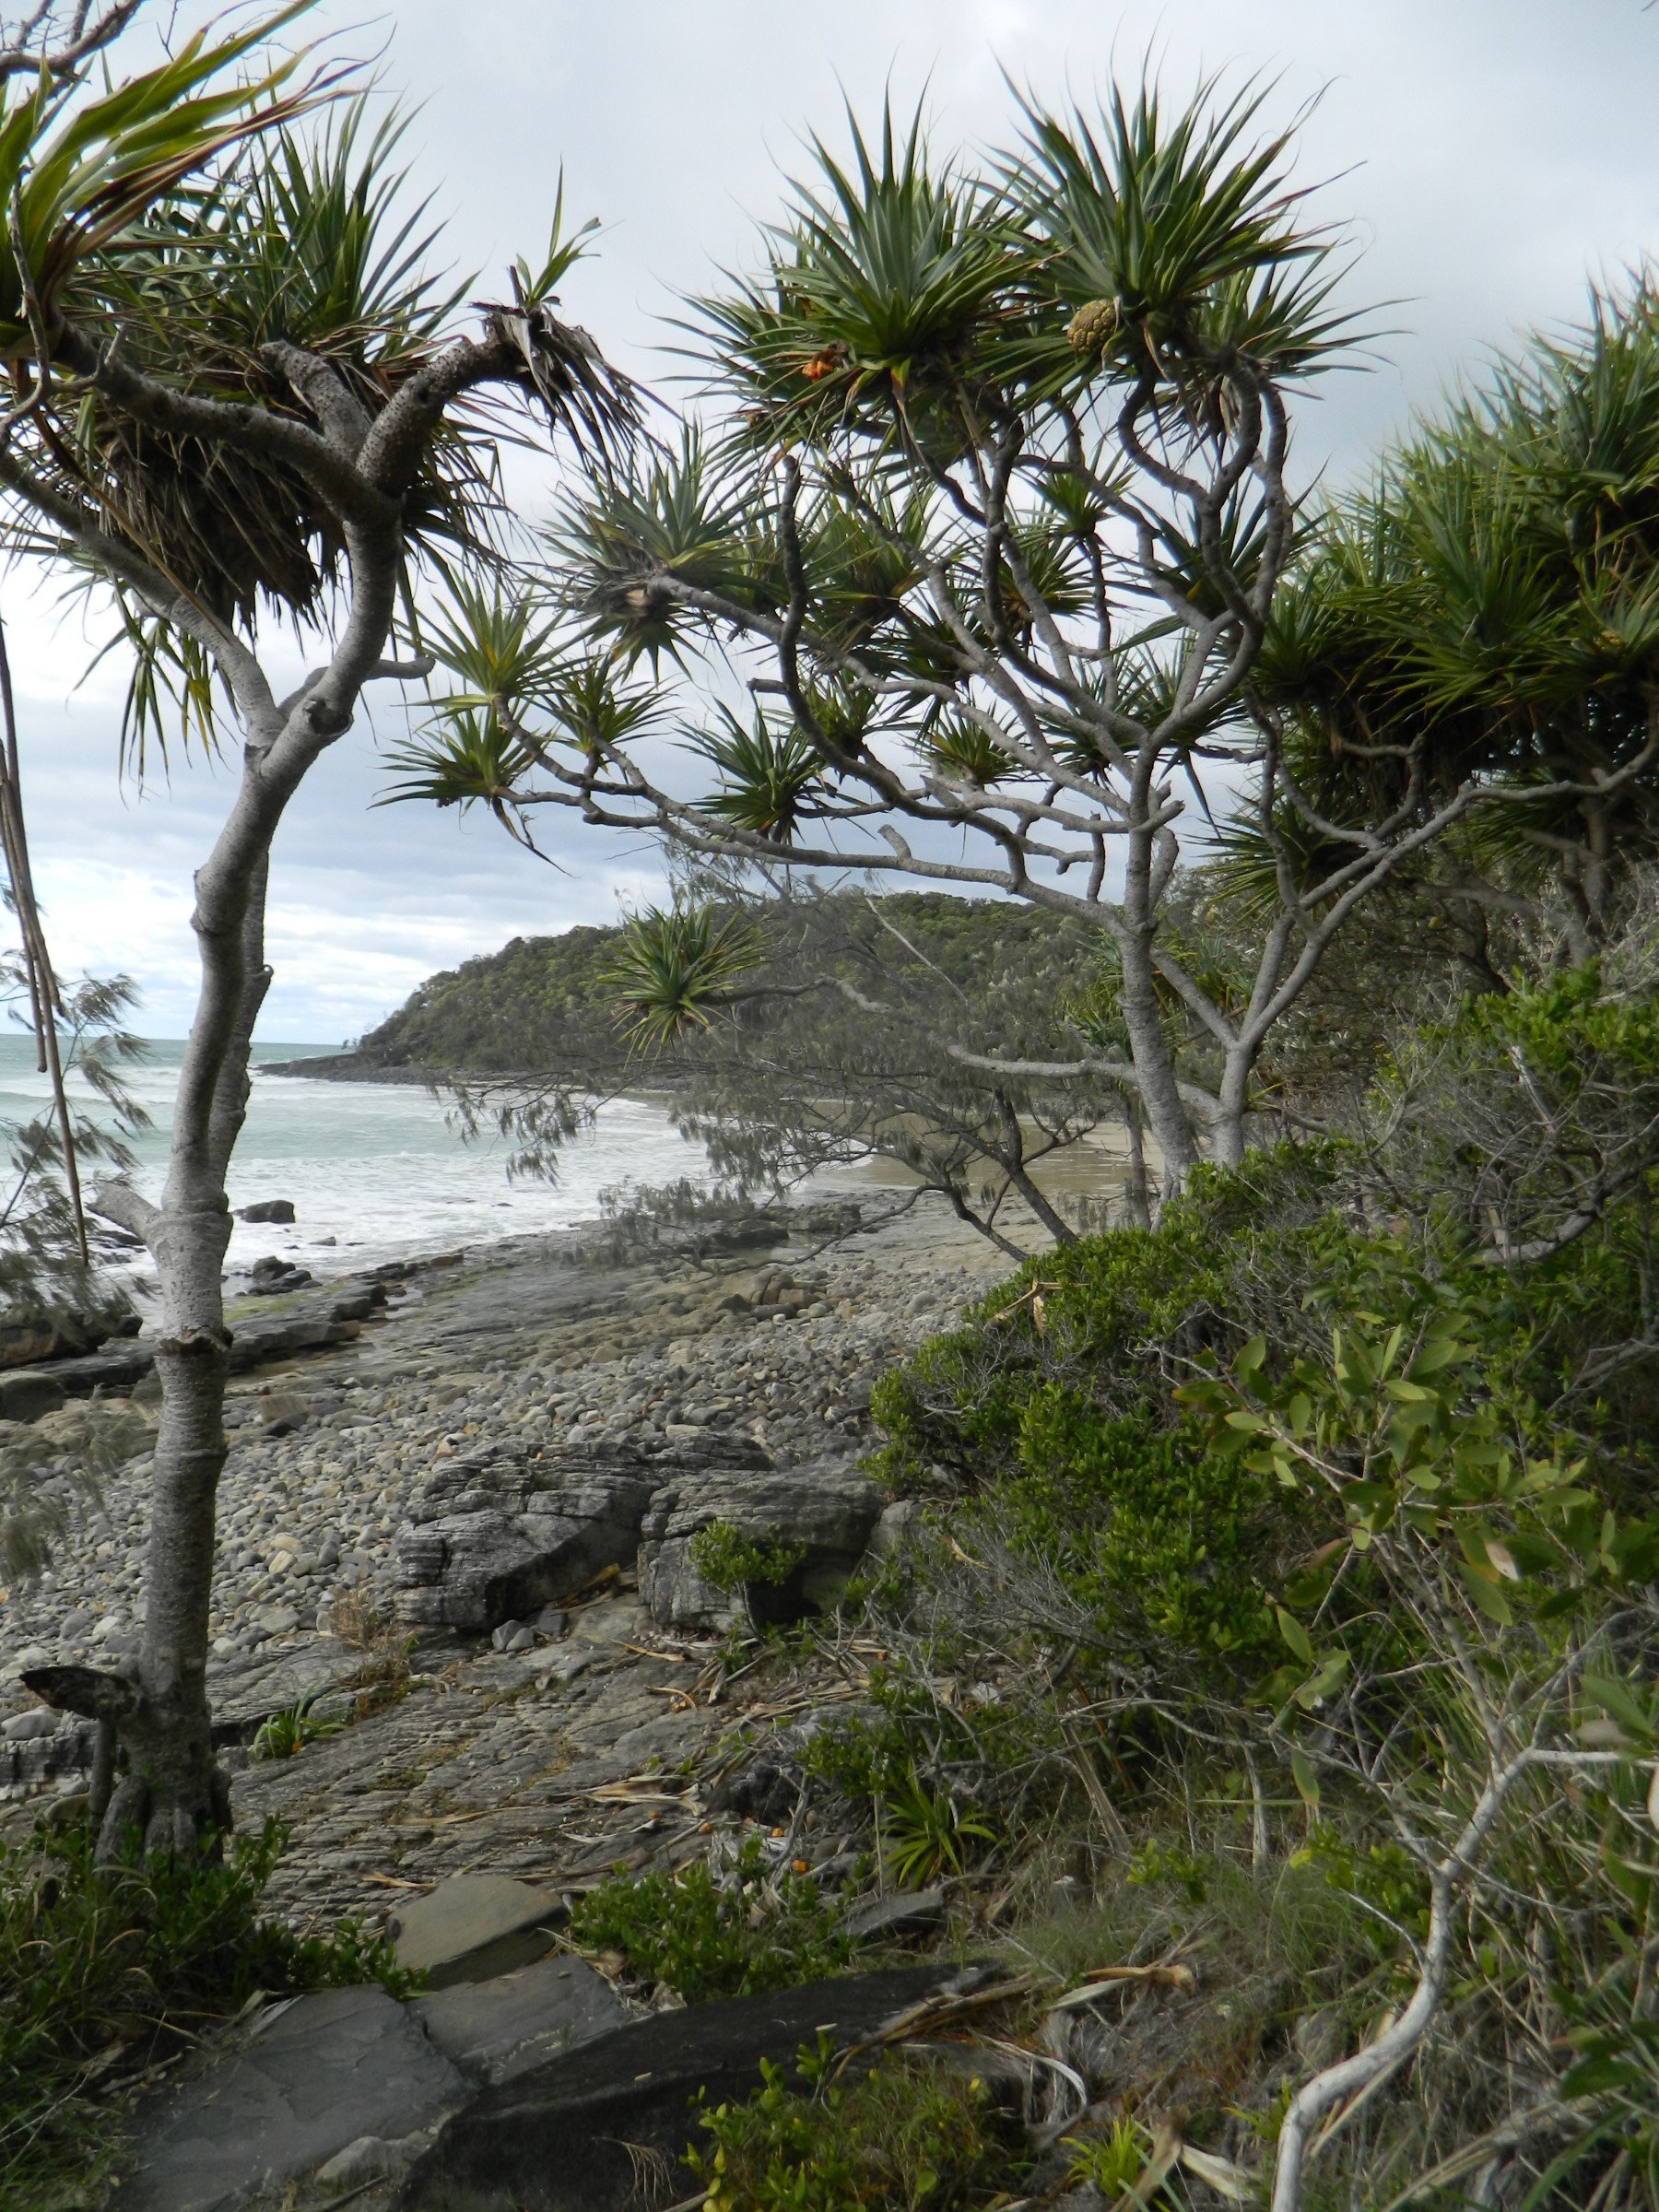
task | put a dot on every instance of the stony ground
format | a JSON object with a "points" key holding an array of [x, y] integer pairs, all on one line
{"points": [[601, 1741]]}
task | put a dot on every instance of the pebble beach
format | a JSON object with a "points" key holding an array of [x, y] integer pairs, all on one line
{"points": [[535, 1342]]}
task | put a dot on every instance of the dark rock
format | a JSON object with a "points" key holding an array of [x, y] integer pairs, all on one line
{"points": [[328, 2069], [266, 1209], [569, 2136], [57, 1336], [904, 1913], [26, 1394], [763, 1791], [115, 1368], [496, 1537], [495, 2031], [827, 1512]]}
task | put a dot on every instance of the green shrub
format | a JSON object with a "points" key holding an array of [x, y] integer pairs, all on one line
{"points": [[283, 1733], [1167, 1541], [905, 2136], [926, 1833], [706, 1938], [728, 1559], [99, 1971]]}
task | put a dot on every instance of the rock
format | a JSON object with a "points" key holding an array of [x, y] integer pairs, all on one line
{"points": [[763, 1791], [61, 1336], [26, 1395], [369, 2158], [573, 2136], [903, 1912], [516, 1538], [283, 1410], [115, 1368], [266, 1209], [23, 1727], [465, 1930], [494, 2031], [893, 1530], [277, 1621], [827, 1512], [328, 2070]]}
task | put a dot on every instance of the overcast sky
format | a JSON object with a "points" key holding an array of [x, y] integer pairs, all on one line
{"points": [[1491, 154]]}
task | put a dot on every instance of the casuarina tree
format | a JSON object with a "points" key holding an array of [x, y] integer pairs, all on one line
{"points": [[239, 406]]}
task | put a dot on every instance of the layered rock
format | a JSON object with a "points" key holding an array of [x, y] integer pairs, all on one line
{"points": [[822, 1514], [495, 1537]]}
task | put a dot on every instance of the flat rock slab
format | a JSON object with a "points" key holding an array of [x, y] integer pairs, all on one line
{"points": [[465, 1922], [496, 2031], [331, 2067], [568, 2136], [245, 1691], [900, 1913]]}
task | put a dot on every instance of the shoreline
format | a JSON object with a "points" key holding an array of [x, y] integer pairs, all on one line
{"points": [[512, 1348]]}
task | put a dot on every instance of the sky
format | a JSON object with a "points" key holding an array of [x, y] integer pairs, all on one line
{"points": [[1489, 154]]}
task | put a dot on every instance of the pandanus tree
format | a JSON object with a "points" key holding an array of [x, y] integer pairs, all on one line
{"points": [[1484, 617], [239, 406], [989, 514]]}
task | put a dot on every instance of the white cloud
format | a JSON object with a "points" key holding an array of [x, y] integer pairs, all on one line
{"points": [[1491, 153]]}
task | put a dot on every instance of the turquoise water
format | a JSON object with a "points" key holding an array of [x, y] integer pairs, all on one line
{"points": [[373, 1166]]}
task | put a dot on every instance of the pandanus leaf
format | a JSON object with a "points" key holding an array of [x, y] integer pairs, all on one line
{"points": [[77, 188], [676, 967], [766, 775]]}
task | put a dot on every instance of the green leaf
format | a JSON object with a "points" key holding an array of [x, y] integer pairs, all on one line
{"points": [[1619, 1702], [1488, 1598], [1307, 1781], [1295, 1635]]}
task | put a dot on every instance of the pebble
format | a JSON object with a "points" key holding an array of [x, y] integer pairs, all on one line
{"points": [[310, 1504]]}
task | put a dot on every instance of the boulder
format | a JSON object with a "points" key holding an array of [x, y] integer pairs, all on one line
{"points": [[266, 1209], [826, 1511], [900, 1913], [327, 2070], [573, 2136], [474, 1570], [57, 1336], [25, 1395], [493, 1538], [114, 1368]]}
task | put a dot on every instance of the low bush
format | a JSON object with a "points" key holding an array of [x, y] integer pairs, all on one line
{"points": [[905, 2136], [728, 1559], [712, 1934], [102, 1971]]}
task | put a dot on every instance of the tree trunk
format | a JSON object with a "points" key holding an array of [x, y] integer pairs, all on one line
{"points": [[1228, 1141], [156, 1770], [1136, 1198], [1150, 1050]]}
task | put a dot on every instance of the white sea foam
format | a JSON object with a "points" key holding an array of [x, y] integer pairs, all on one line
{"points": [[374, 1165]]}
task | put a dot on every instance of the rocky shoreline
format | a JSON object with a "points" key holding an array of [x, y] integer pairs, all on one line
{"points": [[527, 1352]]}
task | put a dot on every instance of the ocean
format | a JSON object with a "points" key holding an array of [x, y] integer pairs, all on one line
{"points": [[373, 1169]]}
